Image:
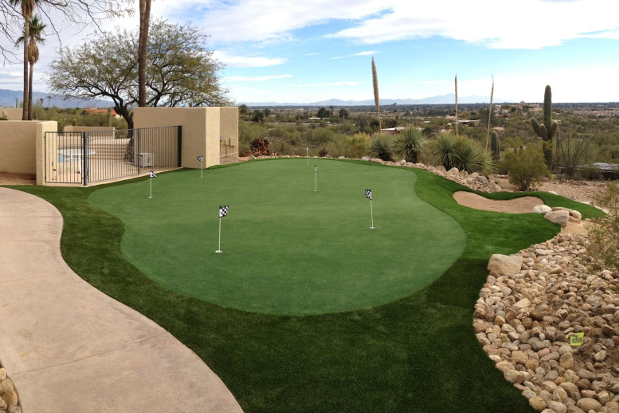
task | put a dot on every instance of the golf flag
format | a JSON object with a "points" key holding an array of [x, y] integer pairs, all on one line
{"points": [[152, 174], [223, 211], [200, 159], [368, 194]]}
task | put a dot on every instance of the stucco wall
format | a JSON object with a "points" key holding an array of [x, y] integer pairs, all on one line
{"points": [[11, 113], [201, 130], [18, 143], [229, 125]]}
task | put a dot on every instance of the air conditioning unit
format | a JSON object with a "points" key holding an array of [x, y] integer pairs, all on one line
{"points": [[145, 159]]}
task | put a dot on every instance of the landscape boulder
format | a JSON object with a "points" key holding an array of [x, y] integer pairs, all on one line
{"points": [[560, 217], [505, 264], [542, 209], [482, 180]]}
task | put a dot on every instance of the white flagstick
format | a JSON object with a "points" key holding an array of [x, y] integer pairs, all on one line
{"points": [[151, 187], [219, 248], [372, 214], [307, 155], [315, 178], [201, 169]]}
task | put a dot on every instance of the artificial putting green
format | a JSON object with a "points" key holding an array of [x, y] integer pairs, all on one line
{"points": [[418, 354], [287, 248]]}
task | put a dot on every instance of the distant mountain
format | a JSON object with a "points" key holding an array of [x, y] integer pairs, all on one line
{"points": [[7, 100], [434, 100]]}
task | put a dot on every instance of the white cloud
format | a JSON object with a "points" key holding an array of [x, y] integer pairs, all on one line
{"points": [[529, 24], [369, 53], [329, 84], [247, 61], [533, 24], [254, 78], [312, 54]]}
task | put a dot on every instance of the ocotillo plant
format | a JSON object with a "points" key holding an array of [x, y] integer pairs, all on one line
{"points": [[490, 114], [376, 98], [456, 80], [496, 146], [548, 129]]}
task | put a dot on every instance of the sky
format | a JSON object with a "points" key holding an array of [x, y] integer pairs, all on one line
{"points": [[301, 52]]}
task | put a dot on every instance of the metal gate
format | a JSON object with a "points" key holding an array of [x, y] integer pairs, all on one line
{"points": [[96, 156]]}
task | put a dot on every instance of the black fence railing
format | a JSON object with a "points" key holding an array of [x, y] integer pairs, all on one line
{"points": [[96, 156]]}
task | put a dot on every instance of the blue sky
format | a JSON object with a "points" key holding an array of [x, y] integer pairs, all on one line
{"points": [[310, 51]]}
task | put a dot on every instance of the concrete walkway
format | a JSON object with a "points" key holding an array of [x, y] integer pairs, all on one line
{"points": [[70, 348]]}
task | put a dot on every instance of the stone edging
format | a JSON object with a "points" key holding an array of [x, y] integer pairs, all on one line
{"points": [[531, 305], [9, 399]]}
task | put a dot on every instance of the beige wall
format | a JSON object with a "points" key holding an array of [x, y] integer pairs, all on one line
{"points": [[11, 113], [202, 128], [18, 143], [229, 145], [48, 169]]}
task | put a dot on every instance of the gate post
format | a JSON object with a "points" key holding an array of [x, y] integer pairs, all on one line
{"points": [[180, 145], [137, 133], [85, 157]]}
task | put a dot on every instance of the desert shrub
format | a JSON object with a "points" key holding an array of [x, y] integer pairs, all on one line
{"points": [[260, 147], [357, 145], [409, 144], [570, 155], [323, 152], [459, 152], [603, 248], [590, 172], [525, 167], [381, 148]]}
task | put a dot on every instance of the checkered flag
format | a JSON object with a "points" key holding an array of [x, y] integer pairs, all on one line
{"points": [[152, 174], [368, 194], [223, 211], [200, 159]]}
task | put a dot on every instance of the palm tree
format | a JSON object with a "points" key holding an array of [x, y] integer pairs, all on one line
{"points": [[27, 10], [35, 34], [143, 50]]}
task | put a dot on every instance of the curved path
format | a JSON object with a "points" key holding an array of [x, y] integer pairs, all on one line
{"points": [[70, 348]]}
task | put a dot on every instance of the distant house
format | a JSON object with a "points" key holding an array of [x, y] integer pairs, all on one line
{"points": [[95, 111]]}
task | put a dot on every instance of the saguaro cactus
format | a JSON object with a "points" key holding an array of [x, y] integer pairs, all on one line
{"points": [[495, 144], [548, 129]]}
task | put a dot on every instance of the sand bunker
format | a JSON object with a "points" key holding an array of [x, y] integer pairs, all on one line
{"points": [[521, 205]]}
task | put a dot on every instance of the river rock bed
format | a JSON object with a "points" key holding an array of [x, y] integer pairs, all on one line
{"points": [[530, 303], [9, 401]]}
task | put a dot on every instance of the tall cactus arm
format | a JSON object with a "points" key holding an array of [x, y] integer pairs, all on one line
{"points": [[543, 132], [535, 127], [553, 130], [548, 107]]}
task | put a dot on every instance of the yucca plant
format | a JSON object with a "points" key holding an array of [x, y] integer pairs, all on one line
{"points": [[490, 114], [409, 144], [381, 148], [376, 96], [459, 152]]}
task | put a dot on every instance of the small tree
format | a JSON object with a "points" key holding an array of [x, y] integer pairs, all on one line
{"points": [[323, 113], [603, 249], [258, 116], [344, 114], [525, 167]]}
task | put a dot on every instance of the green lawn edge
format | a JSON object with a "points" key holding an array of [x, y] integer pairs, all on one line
{"points": [[417, 354]]}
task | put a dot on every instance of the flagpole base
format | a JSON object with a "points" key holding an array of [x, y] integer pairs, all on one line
{"points": [[372, 227], [150, 197], [218, 251]]}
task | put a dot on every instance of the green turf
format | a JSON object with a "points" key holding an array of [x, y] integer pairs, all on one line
{"points": [[418, 354], [287, 249]]}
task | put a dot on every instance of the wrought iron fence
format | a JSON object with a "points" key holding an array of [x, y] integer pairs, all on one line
{"points": [[96, 156]]}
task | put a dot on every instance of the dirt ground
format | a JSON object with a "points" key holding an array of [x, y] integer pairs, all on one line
{"points": [[516, 206], [582, 191], [16, 179]]}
